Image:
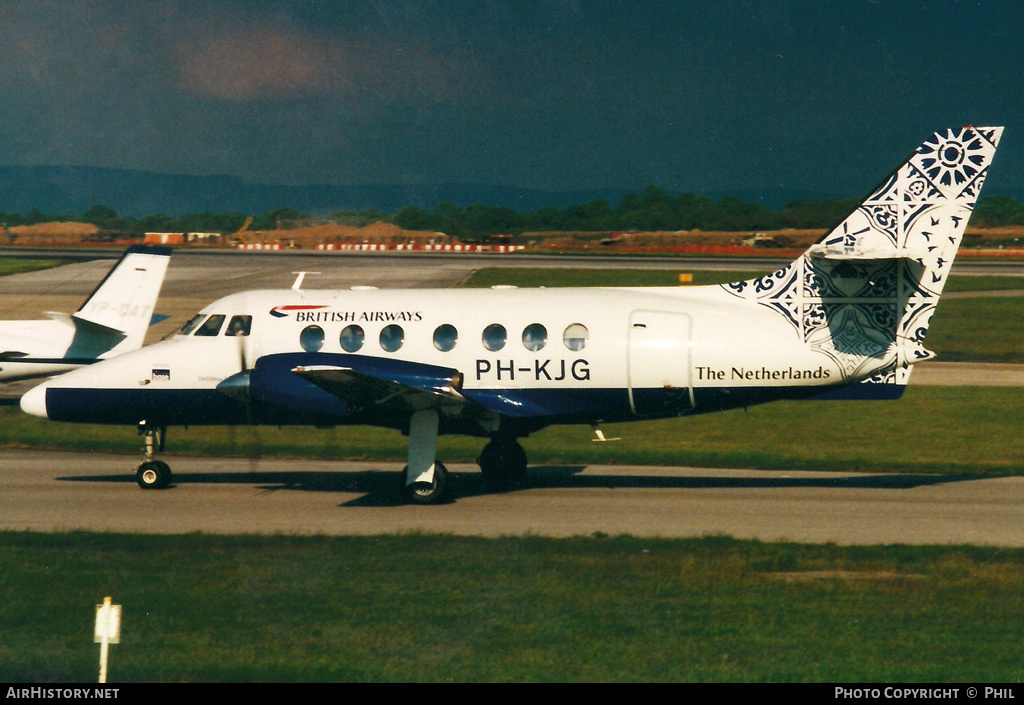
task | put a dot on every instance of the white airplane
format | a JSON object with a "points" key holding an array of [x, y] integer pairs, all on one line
{"points": [[111, 321], [845, 320]]}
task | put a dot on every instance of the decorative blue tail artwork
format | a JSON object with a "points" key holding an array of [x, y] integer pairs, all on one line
{"points": [[864, 294]]}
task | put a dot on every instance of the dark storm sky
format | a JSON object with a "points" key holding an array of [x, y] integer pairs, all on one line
{"points": [[556, 94]]}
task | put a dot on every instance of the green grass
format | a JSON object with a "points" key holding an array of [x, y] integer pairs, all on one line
{"points": [[443, 608], [984, 283], [15, 265], [978, 330], [950, 430]]}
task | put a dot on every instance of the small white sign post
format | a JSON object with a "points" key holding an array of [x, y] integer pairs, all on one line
{"points": [[108, 631]]}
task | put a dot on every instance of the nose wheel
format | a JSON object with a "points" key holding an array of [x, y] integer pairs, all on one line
{"points": [[152, 474], [425, 480], [433, 492]]}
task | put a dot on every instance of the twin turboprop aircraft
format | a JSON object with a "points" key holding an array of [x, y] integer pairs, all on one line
{"points": [[112, 320], [846, 320]]}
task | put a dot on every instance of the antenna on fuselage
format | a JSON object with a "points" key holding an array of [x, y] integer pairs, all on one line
{"points": [[298, 280]]}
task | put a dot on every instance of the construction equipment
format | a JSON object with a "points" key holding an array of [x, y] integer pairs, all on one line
{"points": [[239, 237]]}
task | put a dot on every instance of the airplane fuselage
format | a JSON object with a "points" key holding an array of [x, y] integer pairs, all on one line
{"points": [[35, 348], [539, 356]]}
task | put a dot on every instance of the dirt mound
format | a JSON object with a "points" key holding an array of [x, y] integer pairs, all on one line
{"points": [[52, 233], [376, 233]]}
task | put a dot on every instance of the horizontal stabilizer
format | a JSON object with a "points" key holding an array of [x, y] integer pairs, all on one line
{"points": [[913, 352], [93, 339], [61, 318], [840, 254], [90, 339]]}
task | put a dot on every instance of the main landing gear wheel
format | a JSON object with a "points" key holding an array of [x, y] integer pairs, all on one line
{"points": [[503, 464], [427, 492], [153, 475]]}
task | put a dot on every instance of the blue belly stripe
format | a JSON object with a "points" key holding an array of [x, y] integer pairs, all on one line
{"points": [[179, 407]]}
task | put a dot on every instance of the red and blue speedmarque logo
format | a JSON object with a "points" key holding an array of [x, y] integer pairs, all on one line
{"points": [[283, 311]]}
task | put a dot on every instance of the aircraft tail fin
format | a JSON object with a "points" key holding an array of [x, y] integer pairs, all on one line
{"points": [[116, 316], [865, 293]]}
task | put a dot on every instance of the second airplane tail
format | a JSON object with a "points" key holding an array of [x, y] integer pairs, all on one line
{"points": [[116, 316]]}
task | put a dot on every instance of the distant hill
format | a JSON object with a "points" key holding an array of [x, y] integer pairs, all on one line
{"points": [[71, 190]]}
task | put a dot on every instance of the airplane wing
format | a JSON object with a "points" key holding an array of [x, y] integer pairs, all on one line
{"points": [[367, 383], [381, 385]]}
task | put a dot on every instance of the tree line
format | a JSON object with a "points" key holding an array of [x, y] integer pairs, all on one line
{"points": [[651, 210]]}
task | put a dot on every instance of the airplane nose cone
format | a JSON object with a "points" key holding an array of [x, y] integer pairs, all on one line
{"points": [[34, 401]]}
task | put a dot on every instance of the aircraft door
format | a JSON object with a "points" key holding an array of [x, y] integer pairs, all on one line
{"points": [[659, 363]]}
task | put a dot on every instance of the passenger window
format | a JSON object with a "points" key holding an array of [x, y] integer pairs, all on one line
{"points": [[445, 337], [192, 324], [212, 325], [352, 338], [239, 325], [575, 337], [311, 338], [494, 337], [392, 337], [535, 337]]}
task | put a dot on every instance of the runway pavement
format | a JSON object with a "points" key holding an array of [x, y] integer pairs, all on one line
{"points": [[967, 374], [46, 491]]}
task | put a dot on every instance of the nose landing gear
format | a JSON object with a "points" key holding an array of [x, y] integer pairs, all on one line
{"points": [[153, 474], [425, 479]]}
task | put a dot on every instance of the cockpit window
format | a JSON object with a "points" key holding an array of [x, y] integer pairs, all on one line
{"points": [[193, 322], [211, 326], [239, 325]]}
